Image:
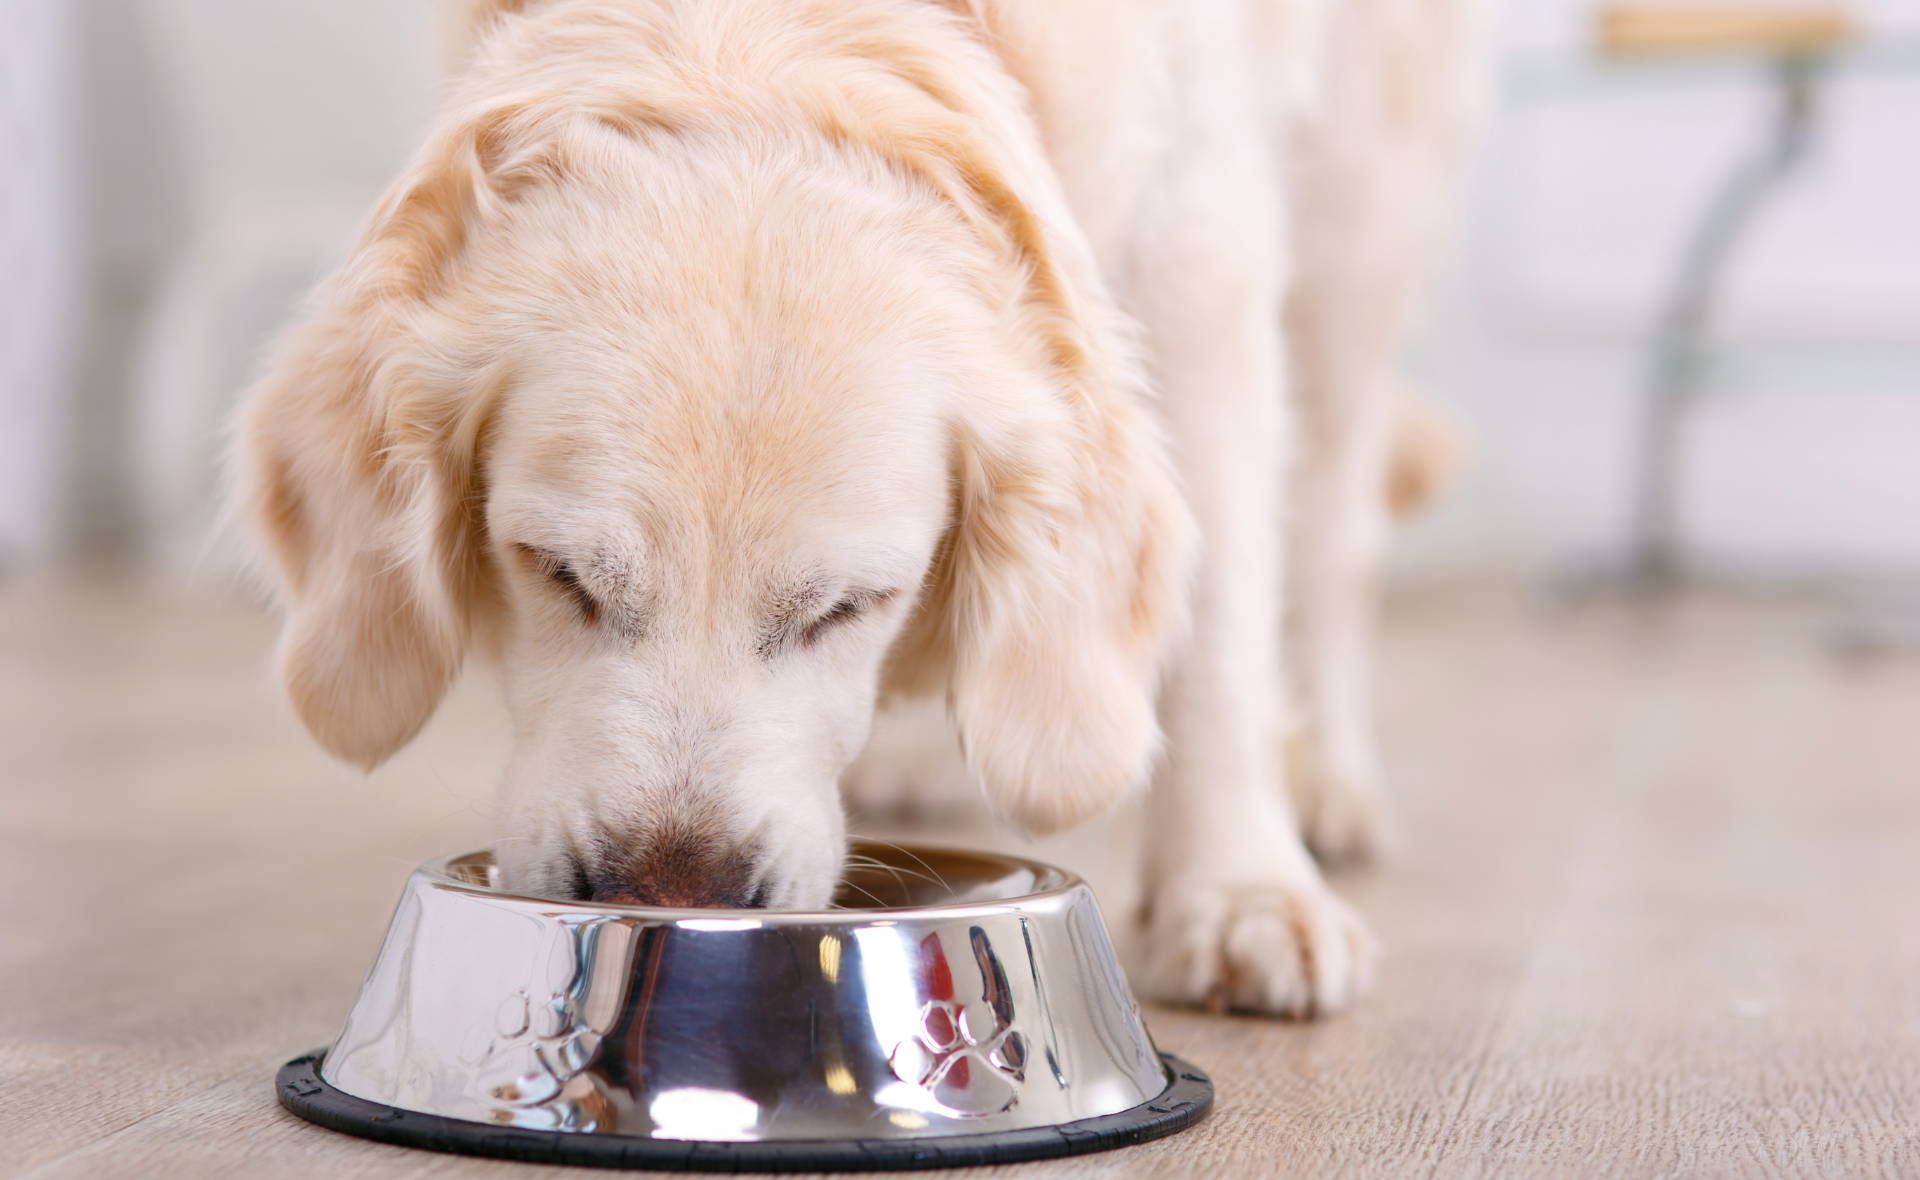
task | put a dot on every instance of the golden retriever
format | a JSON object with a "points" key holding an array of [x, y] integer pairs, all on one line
{"points": [[719, 367]]}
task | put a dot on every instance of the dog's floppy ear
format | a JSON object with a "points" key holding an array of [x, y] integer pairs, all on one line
{"points": [[1062, 579], [355, 459], [1061, 585]]}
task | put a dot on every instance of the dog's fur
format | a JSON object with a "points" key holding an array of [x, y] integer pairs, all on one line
{"points": [[721, 366]]}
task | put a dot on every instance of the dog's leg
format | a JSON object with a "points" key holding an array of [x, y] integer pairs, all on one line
{"points": [[1235, 912], [1345, 406], [1376, 162]]}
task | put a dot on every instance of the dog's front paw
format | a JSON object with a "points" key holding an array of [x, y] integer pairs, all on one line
{"points": [[1345, 820], [1342, 810], [1273, 947]]}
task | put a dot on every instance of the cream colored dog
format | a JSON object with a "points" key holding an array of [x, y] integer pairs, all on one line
{"points": [[719, 366]]}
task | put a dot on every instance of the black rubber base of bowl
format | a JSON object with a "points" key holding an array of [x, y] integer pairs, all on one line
{"points": [[301, 1089]]}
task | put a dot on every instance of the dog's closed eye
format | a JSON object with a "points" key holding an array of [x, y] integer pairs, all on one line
{"points": [[843, 611], [791, 625], [560, 572]]}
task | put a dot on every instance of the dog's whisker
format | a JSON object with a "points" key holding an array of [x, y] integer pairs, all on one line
{"points": [[900, 871], [869, 893], [905, 851], [872, 864]]}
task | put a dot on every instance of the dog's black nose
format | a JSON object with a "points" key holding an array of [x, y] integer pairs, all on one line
{"points": [[683, 870]]}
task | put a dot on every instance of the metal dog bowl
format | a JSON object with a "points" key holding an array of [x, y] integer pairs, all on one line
{"points": [[973, 1014]]}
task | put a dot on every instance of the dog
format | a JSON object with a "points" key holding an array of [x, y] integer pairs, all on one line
{"points": [[722, 369]]}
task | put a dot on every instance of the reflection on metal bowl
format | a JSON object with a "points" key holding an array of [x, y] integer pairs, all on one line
{"points": [[973, 1011]]}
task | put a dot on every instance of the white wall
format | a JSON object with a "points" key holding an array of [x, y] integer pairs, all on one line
{"points": [[38, 297], [230, 144], [1808, 457], [293, 97], [149, 146]]}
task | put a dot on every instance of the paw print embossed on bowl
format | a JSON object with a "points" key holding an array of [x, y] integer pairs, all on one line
{"points": [[966, 1054], [969, 1060]]}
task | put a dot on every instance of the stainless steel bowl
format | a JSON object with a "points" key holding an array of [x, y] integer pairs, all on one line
{"points": [[971, 1010]]}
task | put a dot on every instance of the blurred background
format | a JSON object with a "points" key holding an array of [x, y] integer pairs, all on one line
{"points": [[1651, 810], [179, 170]]}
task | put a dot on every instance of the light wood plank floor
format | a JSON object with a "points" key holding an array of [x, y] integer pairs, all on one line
{"points": [[1656, 911]]}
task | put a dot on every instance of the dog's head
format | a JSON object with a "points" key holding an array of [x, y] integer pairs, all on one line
{"points": [[706, 447]]}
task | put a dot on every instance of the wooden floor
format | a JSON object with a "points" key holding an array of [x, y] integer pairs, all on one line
{"points": [[1658, 910]]}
